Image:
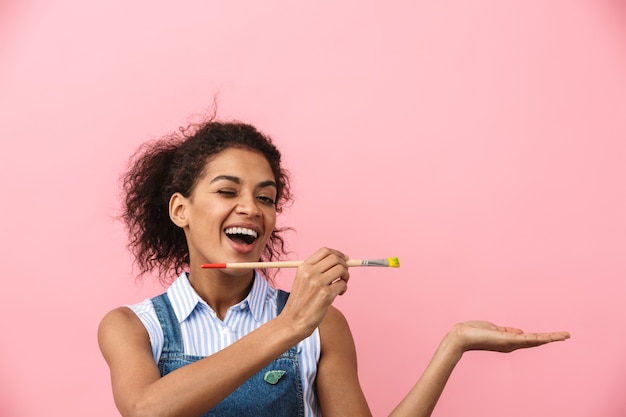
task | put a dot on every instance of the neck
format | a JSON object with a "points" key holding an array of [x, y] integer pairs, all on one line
{"points": [[219, 289]]}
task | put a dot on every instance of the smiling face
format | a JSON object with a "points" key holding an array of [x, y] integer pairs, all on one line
{"points": [[231, 211]]}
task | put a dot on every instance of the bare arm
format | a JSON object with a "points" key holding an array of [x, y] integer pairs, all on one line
{"points": [[191, 390], [338, 388], [473, 335]]}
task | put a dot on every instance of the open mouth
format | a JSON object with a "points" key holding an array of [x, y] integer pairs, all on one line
{"points": [[241, 235]]}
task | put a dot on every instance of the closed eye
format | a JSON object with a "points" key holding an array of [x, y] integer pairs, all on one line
{"points": [[227, 192]]}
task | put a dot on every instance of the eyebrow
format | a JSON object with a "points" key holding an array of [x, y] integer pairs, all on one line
{"points": [[237, 180]]}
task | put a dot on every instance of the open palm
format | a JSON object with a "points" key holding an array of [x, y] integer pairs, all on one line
{"points": [[483, 335]]}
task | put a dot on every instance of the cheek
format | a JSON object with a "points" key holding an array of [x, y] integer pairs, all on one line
{"points": [[270, 220], [218, 207], [210, 215]]}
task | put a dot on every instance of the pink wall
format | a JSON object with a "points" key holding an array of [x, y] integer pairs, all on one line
{"points": [[483, 143]]}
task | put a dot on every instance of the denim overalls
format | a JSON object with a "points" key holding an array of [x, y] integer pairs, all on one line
{"points": [[275, 391]]}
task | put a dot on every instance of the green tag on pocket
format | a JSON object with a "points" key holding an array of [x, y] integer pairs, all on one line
{"points": [[272, 377]]}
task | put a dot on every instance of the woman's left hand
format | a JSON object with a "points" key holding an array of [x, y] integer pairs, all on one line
{"points": [[482, 335]]}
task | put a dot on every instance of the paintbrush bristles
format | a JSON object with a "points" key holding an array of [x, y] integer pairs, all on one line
{"points": [[394, 262], [386, 262]]}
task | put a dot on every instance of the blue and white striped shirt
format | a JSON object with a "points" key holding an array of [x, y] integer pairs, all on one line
{"points": [[204, 333]]}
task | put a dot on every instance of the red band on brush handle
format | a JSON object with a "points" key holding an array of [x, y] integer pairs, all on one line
{"points": [[216, 266]]}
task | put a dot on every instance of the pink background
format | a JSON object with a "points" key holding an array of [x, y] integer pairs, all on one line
{"points": [[483, 143]]}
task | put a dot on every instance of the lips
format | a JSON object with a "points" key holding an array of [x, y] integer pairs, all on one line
{"points": [[243, 235]]}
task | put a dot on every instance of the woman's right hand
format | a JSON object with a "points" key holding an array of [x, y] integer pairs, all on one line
{"points": [[319, 280]]}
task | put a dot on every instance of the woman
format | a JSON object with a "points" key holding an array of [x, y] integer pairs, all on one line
{"points": [[225, 342]]}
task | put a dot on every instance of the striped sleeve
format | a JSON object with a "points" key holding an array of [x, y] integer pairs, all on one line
{"points": [[147, 315]]}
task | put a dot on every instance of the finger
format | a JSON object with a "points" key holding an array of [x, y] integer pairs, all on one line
{"points": [[563, 335], [559, 336], [332, 268], [323, 253], [330, 262], [339, 286], [537, 339], [548, 337], [342, 273], [337, 272]]}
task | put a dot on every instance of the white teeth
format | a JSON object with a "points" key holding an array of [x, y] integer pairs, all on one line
{"points": [[240, 231]]}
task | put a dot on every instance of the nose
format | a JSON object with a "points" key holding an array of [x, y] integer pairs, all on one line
{"points": [[247, 204]]}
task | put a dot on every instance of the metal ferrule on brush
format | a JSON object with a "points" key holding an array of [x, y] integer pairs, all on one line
{"points": [[375, 262]]}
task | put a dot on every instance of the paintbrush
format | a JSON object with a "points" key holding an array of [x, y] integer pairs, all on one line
{"points": [[385, 262]]}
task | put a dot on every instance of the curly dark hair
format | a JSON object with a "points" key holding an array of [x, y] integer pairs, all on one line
{"points": [[173, 164]]}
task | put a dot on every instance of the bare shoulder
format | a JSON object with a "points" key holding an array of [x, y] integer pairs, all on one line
{"points": [[121, 324], [335, 334], [334, 323], [121, 318]]}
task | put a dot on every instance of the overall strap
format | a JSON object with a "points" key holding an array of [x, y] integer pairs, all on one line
{"points": [[172, 339], [281, 300]]}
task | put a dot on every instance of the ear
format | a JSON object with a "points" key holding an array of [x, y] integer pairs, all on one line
{"points": [[178, 210]]}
